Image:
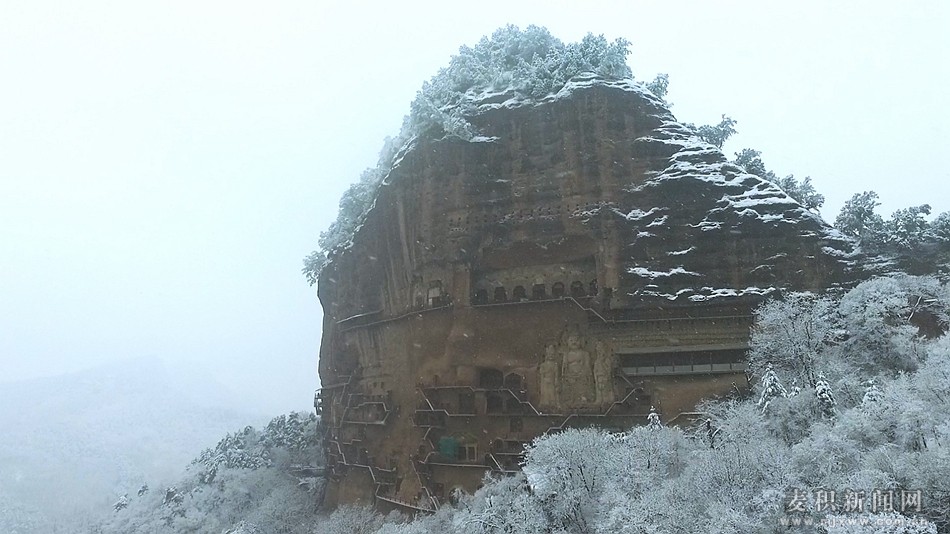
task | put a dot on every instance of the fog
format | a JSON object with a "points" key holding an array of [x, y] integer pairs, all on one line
{"points": [[165, 166]]}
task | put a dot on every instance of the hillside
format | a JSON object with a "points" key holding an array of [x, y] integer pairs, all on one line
{"points": [[252, 481]]}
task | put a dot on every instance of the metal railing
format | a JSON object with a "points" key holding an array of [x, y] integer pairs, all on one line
{"points": [[689, 369], [548, 300]]}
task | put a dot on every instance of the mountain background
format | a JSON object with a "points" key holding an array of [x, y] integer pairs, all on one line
{"points": [[72, 444]]}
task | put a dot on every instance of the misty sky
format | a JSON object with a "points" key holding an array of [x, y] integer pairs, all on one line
{"points": [[165, 166]]}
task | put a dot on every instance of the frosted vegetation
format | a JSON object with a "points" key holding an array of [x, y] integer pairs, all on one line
{"points": [[250, 482], [906, 241]]}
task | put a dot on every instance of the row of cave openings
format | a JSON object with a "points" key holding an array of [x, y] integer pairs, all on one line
{"points": [[576, 290]]}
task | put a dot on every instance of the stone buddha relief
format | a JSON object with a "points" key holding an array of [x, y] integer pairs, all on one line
{"points": [[549, 372], [577, 378], [572, 376]]}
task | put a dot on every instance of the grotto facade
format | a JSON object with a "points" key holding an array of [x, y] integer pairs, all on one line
{"points": [[585, 259]]}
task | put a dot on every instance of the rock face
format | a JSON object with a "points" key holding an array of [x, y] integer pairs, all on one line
{"points": [[584, 260]]}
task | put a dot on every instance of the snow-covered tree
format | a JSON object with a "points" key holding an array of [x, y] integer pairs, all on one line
{"points": [[568, 471], [907, 229], [716, 134], [940, 227], [659, 87], [792, 333], [873, 396], [826, 398], [878, 317], [907, 239], [122, 503], [653, 419], [858, 218], [350, 519], [771, 388], [172, 497], [503, 504], [803, 192]]}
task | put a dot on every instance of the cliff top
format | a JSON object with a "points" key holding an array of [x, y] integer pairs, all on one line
{"points": [[522, 67], [689, 197]]}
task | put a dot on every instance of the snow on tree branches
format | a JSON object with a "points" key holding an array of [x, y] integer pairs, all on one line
{"points": [[771, 388], [826, 399], [911, 242]]}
